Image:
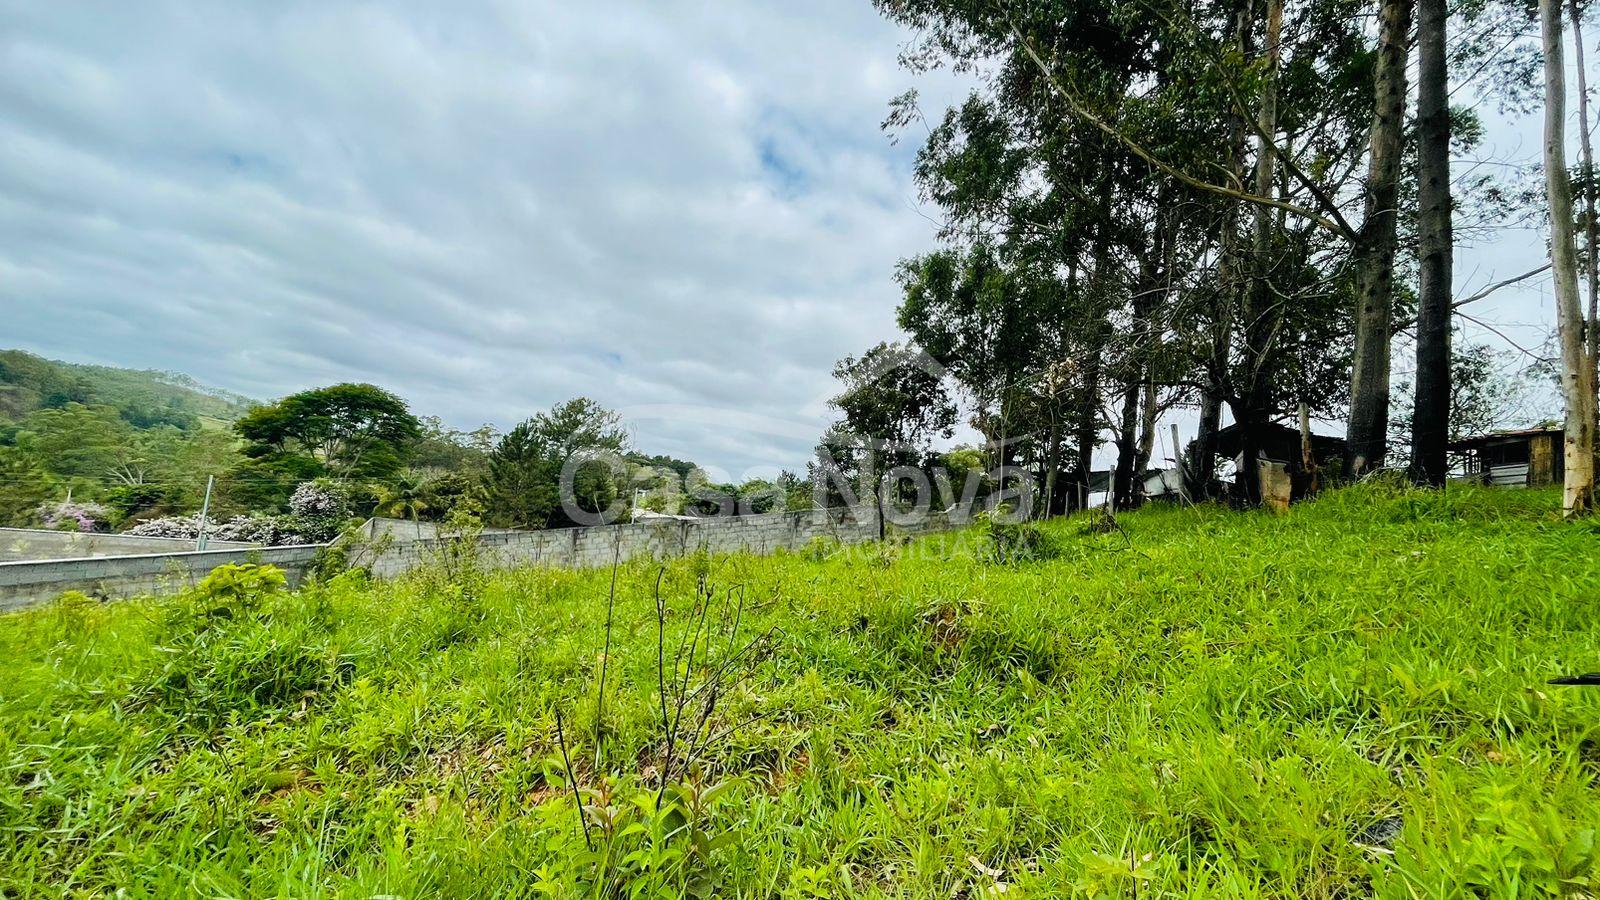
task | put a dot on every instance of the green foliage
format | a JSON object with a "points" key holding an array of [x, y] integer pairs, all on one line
{"points": [[144, 399], [1345, 701], [137, 441], [1003, 538], [649, 841], [76, 441], [352, 430], [1486, 393], [521, 487], [895, 394], [24, 485], [820, 548], [237, 587]]}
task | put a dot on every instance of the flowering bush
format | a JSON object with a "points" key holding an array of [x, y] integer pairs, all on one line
{"points": [[68, 515], [318, 509], [168, 527], [319, 500], [316, 513], [261, 529], [252, 529]]}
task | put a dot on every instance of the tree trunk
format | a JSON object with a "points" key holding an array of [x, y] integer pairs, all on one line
{"points": [[1308, 456], [1375, 248], [1087, 427], [1577, 364], [1052, 460], [1261, 311], [1586, 145], [1127, 447], [1147, 429], [1430, 424], [1203, 467]]}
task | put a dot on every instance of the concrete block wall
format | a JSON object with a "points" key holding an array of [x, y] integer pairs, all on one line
{"points": [[661, 539], [114, 577], [407, 530], [38, 543], [32, 582]]}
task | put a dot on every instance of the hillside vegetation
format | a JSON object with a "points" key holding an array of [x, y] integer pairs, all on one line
{"points": [[1344, 701], [144, 398]]}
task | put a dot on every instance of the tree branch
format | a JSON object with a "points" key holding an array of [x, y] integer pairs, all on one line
{"points": [[1133, 147], [1498, 285]]}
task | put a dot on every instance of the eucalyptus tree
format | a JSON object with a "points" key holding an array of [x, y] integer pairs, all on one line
{"points": [[1375, 246], [1036, 303], [1132, 109], [1430, 420], [1578, 379]]}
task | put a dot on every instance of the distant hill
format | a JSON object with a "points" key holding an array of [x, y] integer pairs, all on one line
{"points": [[143, 398]]}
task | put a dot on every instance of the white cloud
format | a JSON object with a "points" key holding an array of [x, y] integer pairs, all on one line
{"points": [[487, 209]]}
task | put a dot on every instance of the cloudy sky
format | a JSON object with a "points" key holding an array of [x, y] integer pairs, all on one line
{"points": [[685, 210]]}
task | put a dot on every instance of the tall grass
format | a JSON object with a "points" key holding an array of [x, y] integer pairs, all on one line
{"points": [[1348, 700]]}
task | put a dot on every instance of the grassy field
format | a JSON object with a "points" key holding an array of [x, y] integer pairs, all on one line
{"points": [[1345, 701]]}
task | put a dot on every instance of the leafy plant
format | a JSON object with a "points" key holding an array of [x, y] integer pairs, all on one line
{"points": [[238, 587], [1004, 539]]}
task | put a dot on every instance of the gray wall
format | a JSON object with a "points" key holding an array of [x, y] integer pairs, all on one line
{"points": [[30, 582], [407, 530], [26, 583], [34, 543], [598, 545]]}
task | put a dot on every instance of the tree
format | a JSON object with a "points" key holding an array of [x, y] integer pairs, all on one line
{"points": [[894, 401], [1093, 191], [1577, 361], [24, 484], [444, 449], [894, 394], [1487, 392], [1431, 406], [520, 483], [75, 441], [521, 486], [407, 497], [1367, 428], [351, 430]]}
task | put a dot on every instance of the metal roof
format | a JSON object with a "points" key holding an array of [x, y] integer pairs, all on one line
{"points": [[1505, 434]]}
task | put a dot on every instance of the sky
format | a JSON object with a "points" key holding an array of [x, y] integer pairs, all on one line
{"points": [[684, 210]]}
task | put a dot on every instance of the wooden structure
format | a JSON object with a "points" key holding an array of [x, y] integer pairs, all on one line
{"points": [[1279, 443], [1527, 457], [1278, 447]]}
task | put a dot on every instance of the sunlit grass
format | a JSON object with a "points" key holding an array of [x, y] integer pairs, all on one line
{"points": [[1207, 703]]}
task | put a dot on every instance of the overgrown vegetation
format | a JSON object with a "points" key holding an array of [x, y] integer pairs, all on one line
{"points": [[1344, 701]]}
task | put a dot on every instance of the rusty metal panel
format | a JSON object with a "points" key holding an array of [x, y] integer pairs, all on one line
{"points": [[1541, 460]]}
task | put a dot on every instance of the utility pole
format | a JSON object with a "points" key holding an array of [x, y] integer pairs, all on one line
{"points": [[205, 510]]}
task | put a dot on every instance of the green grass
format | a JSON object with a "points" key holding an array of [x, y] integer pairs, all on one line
{"points": [[1208, 704]]}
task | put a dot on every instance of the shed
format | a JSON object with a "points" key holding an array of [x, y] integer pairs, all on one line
{"points": [[1164, 484], [1279, 443], [1526, 457]]}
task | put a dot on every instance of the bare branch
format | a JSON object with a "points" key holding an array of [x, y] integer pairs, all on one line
{"points": [[1498, 285]]}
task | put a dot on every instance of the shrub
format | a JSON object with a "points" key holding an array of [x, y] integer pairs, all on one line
{"points": [[69, 515], [1004, 539], [274, 531], [186, 527], [239, 586], [318, 509], [820, 548]]}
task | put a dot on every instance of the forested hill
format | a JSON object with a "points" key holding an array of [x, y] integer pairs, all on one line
{"points": [[93, 448], [142, 398]]}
